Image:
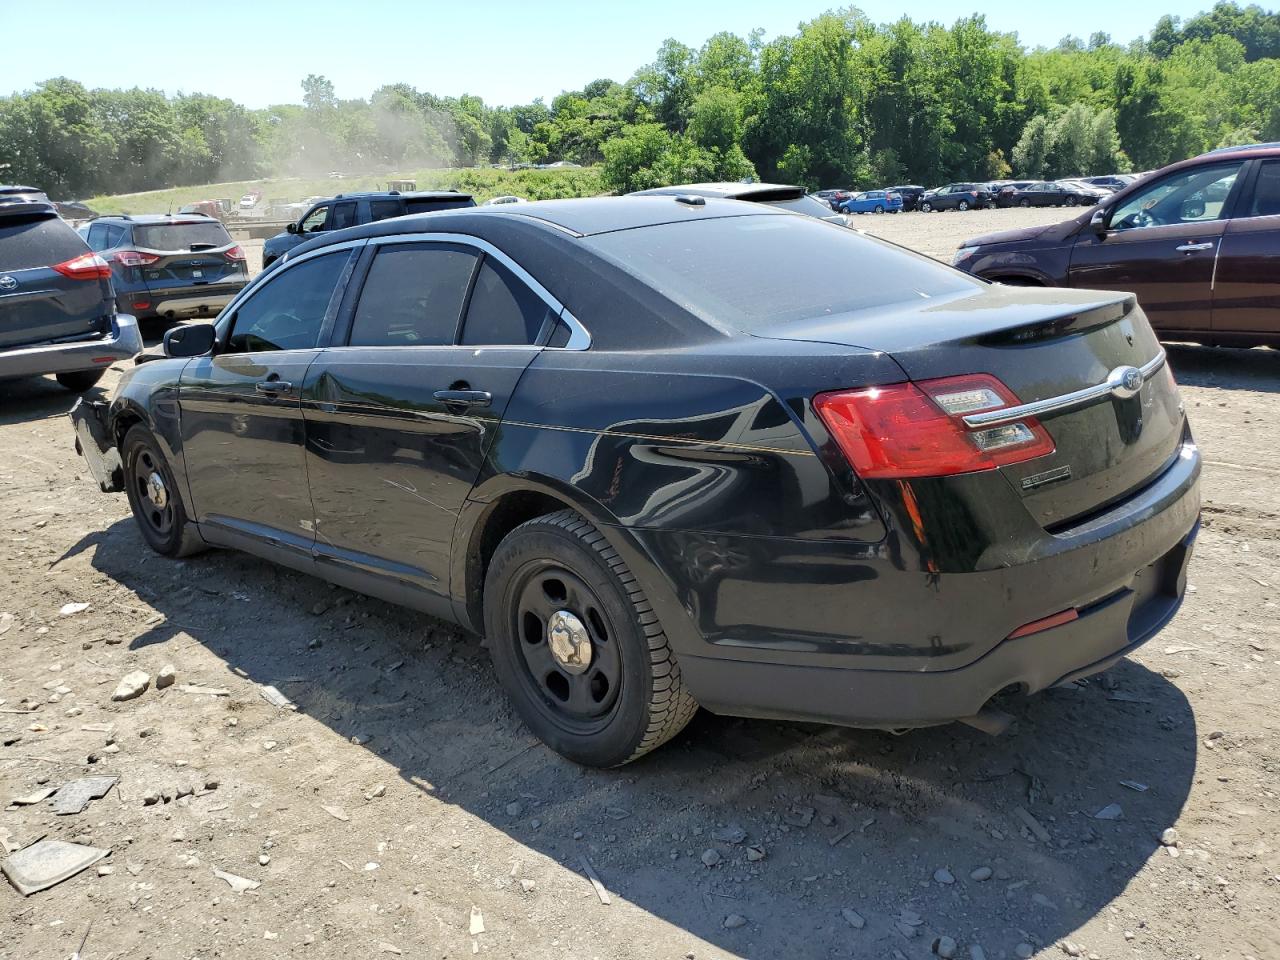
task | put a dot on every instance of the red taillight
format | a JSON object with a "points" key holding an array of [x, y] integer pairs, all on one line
{"points": [[235, 254], [141, 304], [1070, 615], [87, 266], [134, 258], [917, 429]]}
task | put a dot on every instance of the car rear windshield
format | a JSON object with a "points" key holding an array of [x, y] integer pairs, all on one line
{"points": [[180, 236], [427, 204], [750, 273], [28, 243], [806, 205]]}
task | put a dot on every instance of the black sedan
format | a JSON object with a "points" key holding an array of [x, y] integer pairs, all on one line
{"points": [[672, 451], [1044, 193]]}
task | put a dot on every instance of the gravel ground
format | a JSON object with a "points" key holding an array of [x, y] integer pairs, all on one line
{"points": [[401, 808]]}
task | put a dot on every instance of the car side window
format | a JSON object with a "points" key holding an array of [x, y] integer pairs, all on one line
{"points": [[384, 209], [287, 312], [1266, 191], [1198, 195], [503, 310], [413, 295], [115, 235], [315, 220], [97, 238], [343, 215]]}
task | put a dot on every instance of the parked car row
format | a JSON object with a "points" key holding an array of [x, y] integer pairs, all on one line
{"points": [[976, 196]]}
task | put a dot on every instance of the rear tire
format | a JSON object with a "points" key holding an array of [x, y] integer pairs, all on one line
{"points": [[879, 209], [80, 380], [616, 703], [154, 499]]}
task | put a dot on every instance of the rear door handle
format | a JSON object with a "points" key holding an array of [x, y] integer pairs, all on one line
{"points": [[1193, 247], [273, 386], [464, 398]]}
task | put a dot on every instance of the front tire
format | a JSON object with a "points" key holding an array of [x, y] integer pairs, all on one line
{"points": [[962, 206], [577, 647], [154, 499], [80, 380], [926, 207]]}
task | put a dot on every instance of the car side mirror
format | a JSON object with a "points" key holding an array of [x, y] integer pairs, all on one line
{"points": [[194, 340], [292, 228], [1098, 222]]}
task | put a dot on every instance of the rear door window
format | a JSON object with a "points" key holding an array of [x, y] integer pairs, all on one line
{"points": [[1266, 191], [384, 209], [503, 310], [413, 295], [288, 311], [25, 244]]}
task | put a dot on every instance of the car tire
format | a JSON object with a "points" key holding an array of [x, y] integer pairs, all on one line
{"points": [[159, 511], [1024, 202], [926, 207], [879, 209], [962, 206], [616, 703], [79, 381]]}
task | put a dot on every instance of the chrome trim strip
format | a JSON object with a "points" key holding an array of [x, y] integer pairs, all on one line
{"points": [[1067, 401]]}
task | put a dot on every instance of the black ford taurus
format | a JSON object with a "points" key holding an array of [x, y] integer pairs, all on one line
{"points": [[667, 452]]}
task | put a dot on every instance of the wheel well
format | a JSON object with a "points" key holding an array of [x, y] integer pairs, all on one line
{"points": [[122, 425], [503, 516]]}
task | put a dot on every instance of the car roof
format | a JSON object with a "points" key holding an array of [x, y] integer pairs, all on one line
{"points": [[407, 195], [1273, 146], [755, 192]]}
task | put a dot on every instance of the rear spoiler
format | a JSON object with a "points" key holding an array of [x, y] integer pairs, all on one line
{"points": [[21, 207]]}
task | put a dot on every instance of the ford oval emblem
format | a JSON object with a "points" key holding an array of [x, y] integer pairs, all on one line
{"points": [[1125, 382], [8, 283]]}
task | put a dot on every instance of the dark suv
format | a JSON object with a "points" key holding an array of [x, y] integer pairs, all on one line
{"points": [[57, 310], [352, 209], [1198, 242], [174, 267]]}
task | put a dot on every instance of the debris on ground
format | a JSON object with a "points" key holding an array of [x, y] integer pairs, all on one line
{"points": [[853, 918], [477, 921], [167, 675], [74, 797], [734, 920], [596, 882], [276, 698], [132, 684], [238, 884], [47, 863], [204, 691], [1032, 824], [733, 833], [1112, 811]]}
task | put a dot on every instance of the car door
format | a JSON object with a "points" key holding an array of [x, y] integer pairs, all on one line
{"points": [[1160, 243], [242, 427], [401, 411], [1246, 293]]}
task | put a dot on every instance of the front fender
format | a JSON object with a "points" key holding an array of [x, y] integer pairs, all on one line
{"points": [[148, 394]]}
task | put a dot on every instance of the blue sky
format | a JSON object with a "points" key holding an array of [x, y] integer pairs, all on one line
{"points": [[505, 51]]}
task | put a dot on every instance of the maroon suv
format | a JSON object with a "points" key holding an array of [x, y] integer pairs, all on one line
{"points": [[1198, 242]]}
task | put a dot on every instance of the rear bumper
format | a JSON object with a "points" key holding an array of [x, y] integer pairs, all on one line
{"points": [[121, 343], [94, 443], [180, 304], [911, 657]]}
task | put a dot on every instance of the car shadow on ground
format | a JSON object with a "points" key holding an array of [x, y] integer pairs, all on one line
{"points": [[845, 819], [1226, 368]]}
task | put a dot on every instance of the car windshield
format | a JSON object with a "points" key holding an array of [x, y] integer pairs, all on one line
{"points": [[180, 236], [750, 273]]}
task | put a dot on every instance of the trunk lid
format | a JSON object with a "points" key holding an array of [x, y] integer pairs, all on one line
{"points": [[1042, 344]]}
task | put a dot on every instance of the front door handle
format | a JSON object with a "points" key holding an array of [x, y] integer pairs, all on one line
{"points": [[464, 398], [273, 386], [1193, 247]]}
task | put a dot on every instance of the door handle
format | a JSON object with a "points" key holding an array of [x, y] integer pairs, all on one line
{"points": [[273, 386], [1193, 247], [464, 398]]}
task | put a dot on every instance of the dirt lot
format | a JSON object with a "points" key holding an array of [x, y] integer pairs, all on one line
{"points": [[401, 809]]}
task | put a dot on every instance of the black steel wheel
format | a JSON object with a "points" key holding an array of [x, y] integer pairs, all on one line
{"points": [[154, 497], [577, 646]]}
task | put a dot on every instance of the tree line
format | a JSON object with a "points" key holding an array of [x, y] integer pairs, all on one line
{"points": [[841, 101]]}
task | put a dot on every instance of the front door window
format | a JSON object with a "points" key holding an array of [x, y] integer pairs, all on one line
{"points": [[1192, 196]]}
